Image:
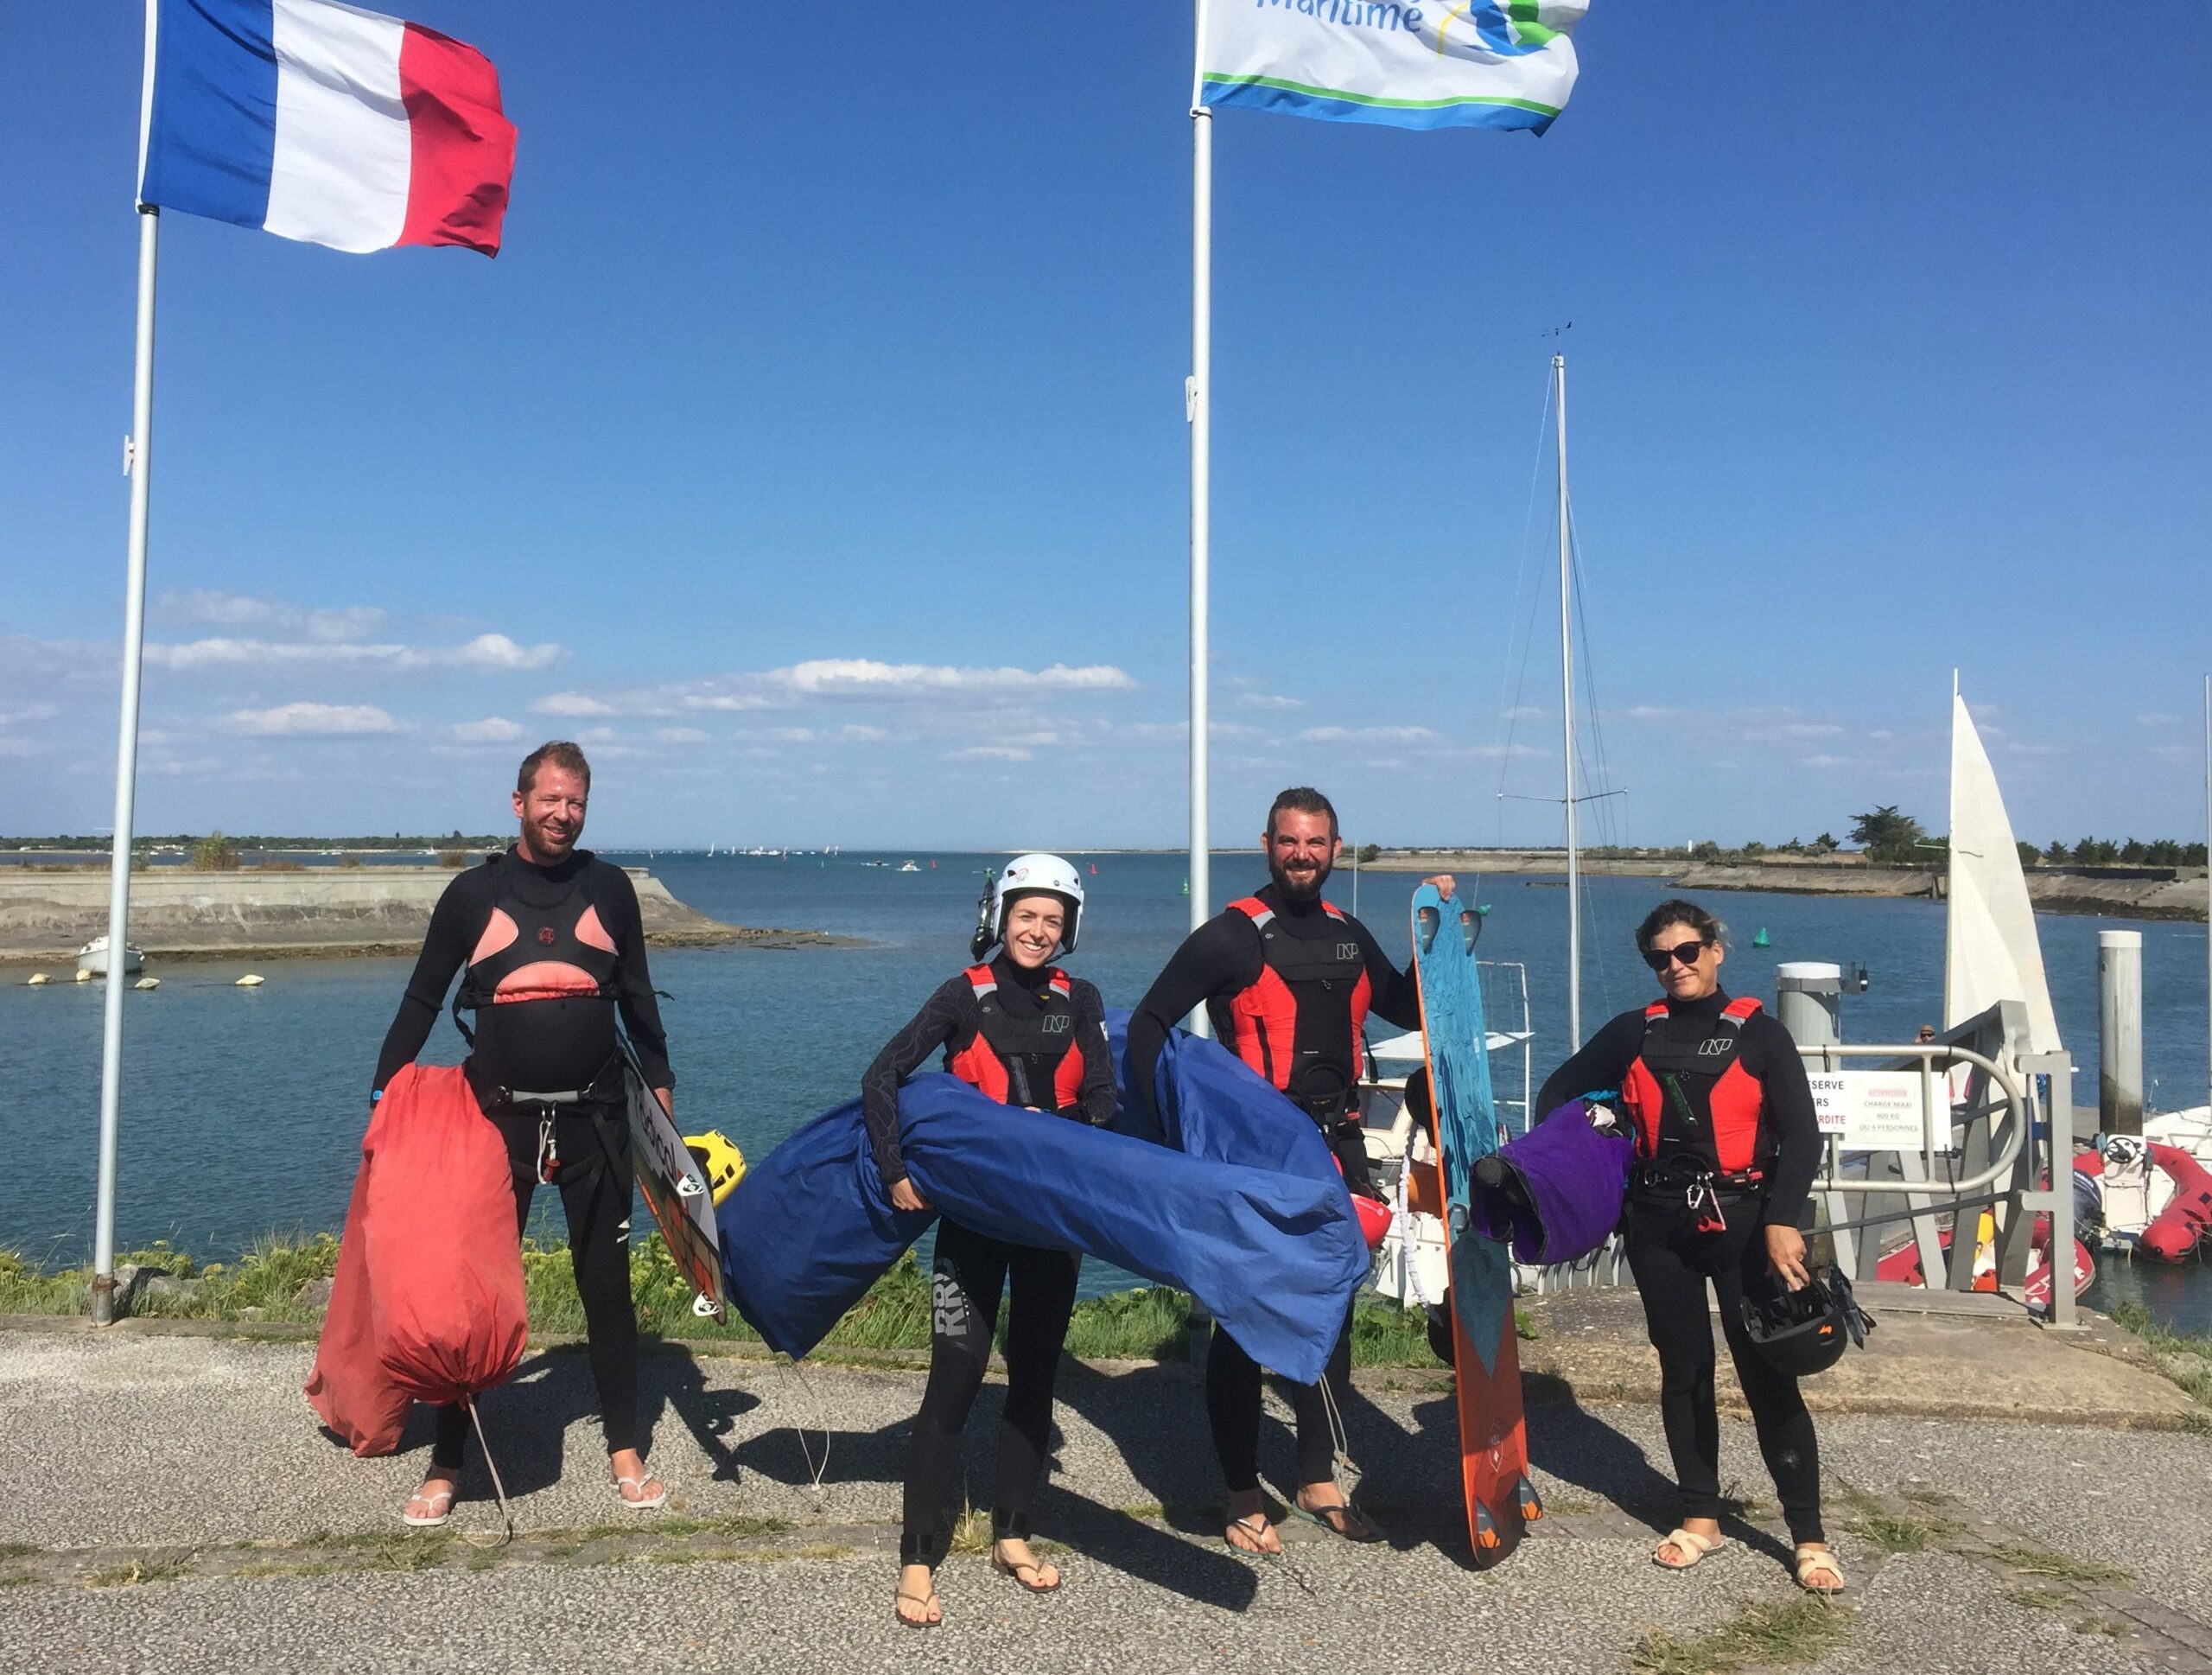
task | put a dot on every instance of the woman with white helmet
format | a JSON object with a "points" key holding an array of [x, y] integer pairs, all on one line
{"points": [[1024, 1032]]}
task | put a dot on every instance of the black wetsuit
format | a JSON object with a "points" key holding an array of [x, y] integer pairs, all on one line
{"points": [[1674, 1250], [971, 1269], [1217, 962], [554, 1043]]}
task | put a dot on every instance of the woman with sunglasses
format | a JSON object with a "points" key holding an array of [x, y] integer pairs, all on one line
{"points": [[1726, 1146]]}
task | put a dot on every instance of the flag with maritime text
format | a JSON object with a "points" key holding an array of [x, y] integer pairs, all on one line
{"points": [[1431, 64]]}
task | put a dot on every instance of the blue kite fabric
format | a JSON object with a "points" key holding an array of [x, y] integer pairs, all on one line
{"points": [[1250, 1215], [1572, 1178]]}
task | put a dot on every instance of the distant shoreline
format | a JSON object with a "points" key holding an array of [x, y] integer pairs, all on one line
{"points": [[2052, 890], [178, 914]]}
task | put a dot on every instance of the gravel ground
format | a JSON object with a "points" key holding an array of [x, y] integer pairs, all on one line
{"points": [[192, 1444]]}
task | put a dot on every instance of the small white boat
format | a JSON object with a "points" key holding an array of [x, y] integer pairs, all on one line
{"points": [[91, 958], [910, 867]]}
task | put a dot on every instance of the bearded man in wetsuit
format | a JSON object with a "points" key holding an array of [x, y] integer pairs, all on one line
{"points": [[1288, 981], [553, 946]]}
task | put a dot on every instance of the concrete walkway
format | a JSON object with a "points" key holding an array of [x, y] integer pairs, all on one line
{"points": [[167, 1502]]}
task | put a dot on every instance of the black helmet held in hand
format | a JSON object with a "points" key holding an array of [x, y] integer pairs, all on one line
{"points": [[1805, 1331]]}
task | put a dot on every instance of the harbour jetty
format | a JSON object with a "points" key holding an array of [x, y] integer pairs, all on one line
{"points": [[2120, 892], [177, 912]]}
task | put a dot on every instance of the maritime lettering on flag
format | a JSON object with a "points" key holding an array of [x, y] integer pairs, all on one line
{"points": [[1429, 64], [324, 123]]}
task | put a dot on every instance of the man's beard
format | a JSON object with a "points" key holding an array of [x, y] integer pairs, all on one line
{"points": [[1293, 891]]}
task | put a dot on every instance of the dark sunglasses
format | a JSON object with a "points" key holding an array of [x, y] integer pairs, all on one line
{"points": [[1688, 952]]}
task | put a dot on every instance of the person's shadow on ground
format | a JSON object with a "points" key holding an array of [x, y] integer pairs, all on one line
{"points": [[671, 1379]]}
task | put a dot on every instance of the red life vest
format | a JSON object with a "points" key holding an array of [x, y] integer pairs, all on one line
{"points": [[1301, 1022], [1014, 1059], [536, 949], [1737, 1103]]}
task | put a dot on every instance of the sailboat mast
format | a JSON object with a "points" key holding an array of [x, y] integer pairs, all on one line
{"points": [[2207, 892], [1566, 724]]}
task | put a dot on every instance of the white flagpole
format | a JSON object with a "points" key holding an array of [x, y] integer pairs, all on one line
{"points": [[1197, 399], [140, 459]]}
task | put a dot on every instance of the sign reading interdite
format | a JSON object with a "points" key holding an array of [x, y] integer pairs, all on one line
{"points": [[1872, 1110]]}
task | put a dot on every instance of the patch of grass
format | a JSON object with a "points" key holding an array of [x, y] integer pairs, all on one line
{"points": [[971, 1534], [2038, 1599], [137, 1573], [16, 1579], [2184, 1357], [825, 1549], [1892, 1533], [2101, 1626], [1773, 1636], [1930, 1499], [2042, 1562], [740, 1525], [1151, 1322], [16, 1550], [1146, 1323]]}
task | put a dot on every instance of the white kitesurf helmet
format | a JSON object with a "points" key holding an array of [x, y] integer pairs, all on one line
{"points": [[1023, 873]]}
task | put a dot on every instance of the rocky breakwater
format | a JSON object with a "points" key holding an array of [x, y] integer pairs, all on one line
{"points": [[179, 913]]}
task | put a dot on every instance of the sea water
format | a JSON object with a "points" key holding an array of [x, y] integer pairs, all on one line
{"points": [[243, 1109]]}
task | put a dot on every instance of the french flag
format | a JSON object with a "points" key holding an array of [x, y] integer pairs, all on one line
{"points": [[324, 123]]}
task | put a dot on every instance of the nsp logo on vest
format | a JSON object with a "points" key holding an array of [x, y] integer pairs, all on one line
{"points": [[1057, 1023], [1350, 951], [1716, 1046]]}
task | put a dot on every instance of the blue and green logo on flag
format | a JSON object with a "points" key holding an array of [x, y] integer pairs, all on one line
{"points": [[1432, 64]]}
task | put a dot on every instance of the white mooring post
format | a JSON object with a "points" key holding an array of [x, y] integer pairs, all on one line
{"points": [[2119, 1031], [1808, 1001]]}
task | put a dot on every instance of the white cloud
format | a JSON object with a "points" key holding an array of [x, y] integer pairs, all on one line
{"points": [[793, 735], [727, 701], [571, 703], [837, 677], [988, 752], [858, 734], [1795, 730], [489, 652], [1369, 735], [311, 720], [1267, 701], [493, 730], [215, 608], [679, 736]]}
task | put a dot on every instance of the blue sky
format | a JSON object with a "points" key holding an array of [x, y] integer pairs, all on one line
{"points": [[815, 450]]}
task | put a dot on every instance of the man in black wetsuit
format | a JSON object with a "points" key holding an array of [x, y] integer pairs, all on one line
{"points": [[1288, 981], [552, 943]]}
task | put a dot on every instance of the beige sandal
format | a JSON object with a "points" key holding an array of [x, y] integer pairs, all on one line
{"points": [[1693, 1546], [925, 1601], [1816, 1562]]}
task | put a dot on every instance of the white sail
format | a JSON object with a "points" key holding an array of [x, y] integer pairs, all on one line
{"points": [[1992, 952]]}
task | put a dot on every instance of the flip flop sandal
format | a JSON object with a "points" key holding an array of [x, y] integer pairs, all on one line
{"points": [[1815, 1562], [1328, 1517], [1007, 1568], [1693, 1546], [438, 1514], [925, 1601], [1258, 1529], [645, 1503]]}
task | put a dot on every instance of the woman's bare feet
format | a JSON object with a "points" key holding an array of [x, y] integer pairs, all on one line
{"points": [[916, 1602], [427, 1507], [1248, 1529], [1674, 1554], [1325, 1505], [1012, 1555], [634, 1480]]}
